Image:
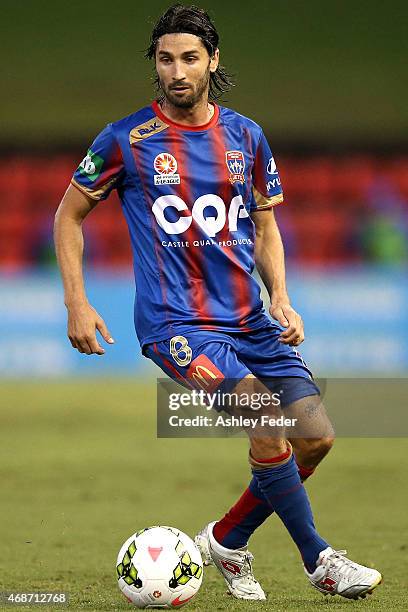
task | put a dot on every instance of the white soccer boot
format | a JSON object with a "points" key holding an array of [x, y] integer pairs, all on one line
{"points": [[337, 575], [234, 565]]}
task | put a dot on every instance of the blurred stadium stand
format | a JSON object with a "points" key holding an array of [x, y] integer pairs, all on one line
{"points": [[345, 228], [338, 211]]}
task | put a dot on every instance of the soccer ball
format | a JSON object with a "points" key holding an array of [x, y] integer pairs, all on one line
{"points": [[159, 567]]}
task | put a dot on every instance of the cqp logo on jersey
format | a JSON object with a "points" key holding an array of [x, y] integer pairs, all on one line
{"points": [[236, 165], [202, 212], [166, 166]]}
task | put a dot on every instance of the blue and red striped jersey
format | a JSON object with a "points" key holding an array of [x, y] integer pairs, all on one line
{"points": [[187, 194]]}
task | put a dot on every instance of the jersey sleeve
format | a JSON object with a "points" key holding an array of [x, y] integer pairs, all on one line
{"points": [[266, 184], [102, 167]]}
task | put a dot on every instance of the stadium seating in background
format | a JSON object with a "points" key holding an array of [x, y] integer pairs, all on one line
{"points": [[339, 210]]}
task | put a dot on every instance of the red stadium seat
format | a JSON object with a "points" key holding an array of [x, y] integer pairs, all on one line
{"points": [[328, 199]]}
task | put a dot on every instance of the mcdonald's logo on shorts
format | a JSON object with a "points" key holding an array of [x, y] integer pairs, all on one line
{"points": [[204, 373]]}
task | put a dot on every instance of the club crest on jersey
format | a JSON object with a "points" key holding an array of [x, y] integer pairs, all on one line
{"points": [[236, 165], [165, 165]]}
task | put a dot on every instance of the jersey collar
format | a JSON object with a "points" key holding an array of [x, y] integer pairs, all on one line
{"points": [[187, 128]]}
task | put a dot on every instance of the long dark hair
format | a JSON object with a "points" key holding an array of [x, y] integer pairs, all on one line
{"points": [[192, 20]]}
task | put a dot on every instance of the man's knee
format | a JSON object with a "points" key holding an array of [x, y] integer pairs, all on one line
{"points": [[323, 445], [312, 450], [267, 448]]}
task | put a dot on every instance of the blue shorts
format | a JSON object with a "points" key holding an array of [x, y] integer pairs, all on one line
{"points": [[205, 356]]}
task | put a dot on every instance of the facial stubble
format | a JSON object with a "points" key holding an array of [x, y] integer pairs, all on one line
{"points": [[192, 99]]}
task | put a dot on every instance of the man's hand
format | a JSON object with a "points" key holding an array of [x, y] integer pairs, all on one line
{"points": [[283, 312], [83, 321]]}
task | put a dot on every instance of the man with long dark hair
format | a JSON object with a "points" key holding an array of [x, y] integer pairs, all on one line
{"points": [[198, 184]]}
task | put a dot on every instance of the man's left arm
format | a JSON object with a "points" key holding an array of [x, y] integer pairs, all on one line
{"points": [[270, 262]]}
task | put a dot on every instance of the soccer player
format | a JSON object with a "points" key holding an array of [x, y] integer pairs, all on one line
{"points": [[198, 184]]}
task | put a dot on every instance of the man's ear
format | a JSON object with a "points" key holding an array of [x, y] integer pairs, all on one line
{"points": [[215, 60]]}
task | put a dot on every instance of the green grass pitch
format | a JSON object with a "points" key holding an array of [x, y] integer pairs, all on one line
{"points": [[81, 470]]}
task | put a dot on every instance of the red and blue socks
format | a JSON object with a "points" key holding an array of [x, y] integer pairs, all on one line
{"points": [[276, 486], [282, 488], [250, 511]]}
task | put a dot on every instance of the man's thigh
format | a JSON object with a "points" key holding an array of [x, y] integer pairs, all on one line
{"points": [[312, 421], [210, 361], [280, 367]]}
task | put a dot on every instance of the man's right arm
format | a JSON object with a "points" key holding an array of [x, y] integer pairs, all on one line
{"points": [[83, 320]]}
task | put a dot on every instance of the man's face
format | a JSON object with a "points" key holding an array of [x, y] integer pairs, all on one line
{"points": [[183, 67]]}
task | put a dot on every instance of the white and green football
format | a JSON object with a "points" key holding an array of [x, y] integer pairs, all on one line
{"points": [[159, 567]]}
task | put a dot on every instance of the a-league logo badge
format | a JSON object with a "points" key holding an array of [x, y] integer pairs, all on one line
{"points": [[166, 166], [236, 165]]}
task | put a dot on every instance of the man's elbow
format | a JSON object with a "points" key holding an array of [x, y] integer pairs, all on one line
{"points": [[258, 253], [58, 214], [61, 214]]}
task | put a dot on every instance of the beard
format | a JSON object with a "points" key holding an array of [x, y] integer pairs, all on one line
{"points": [[189, 100]]}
